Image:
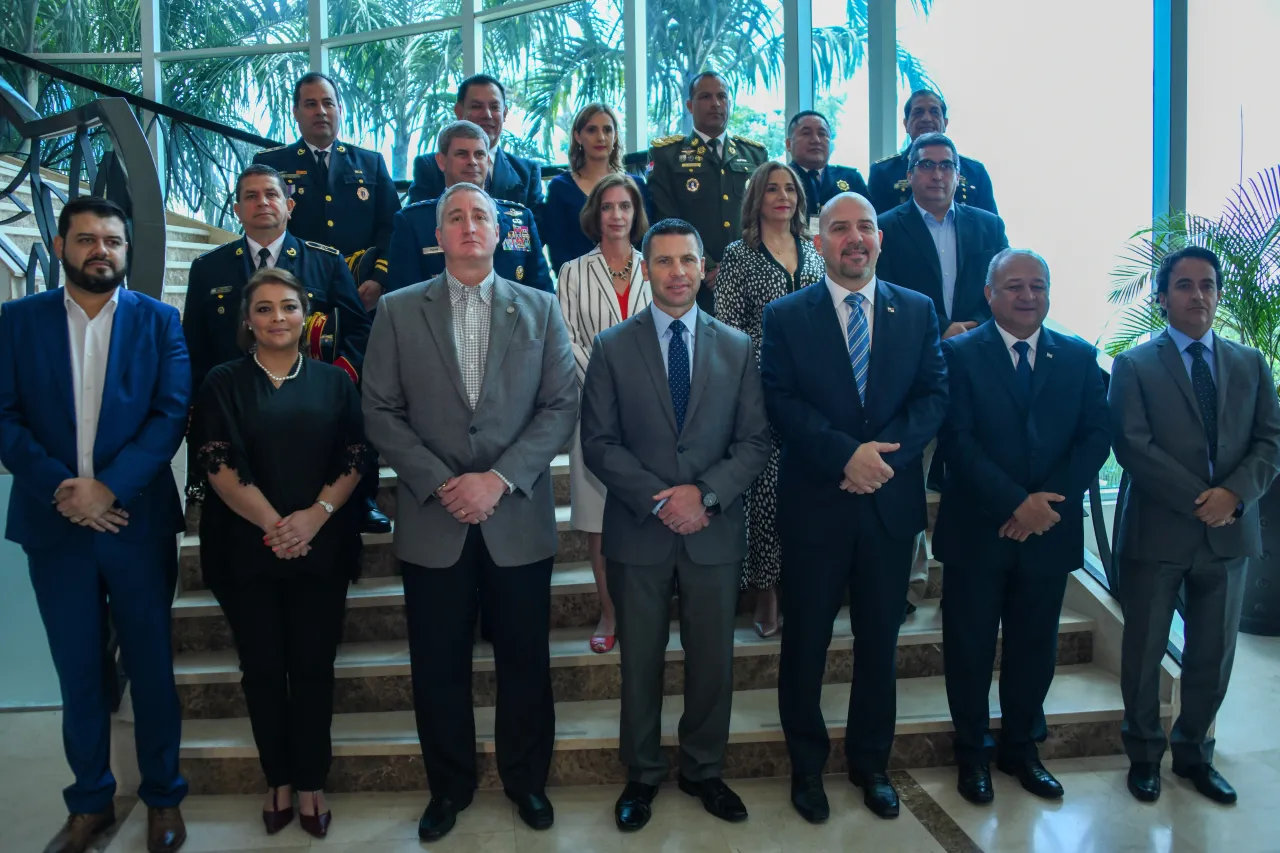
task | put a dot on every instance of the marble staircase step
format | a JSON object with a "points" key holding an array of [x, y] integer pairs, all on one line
{"points": [[380, 751]]}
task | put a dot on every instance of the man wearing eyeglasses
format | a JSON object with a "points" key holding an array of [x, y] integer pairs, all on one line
{"points": [[941, 249]]}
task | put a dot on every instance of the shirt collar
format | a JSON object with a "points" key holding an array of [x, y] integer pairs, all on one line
{"points": [[273, 248], [929, 219], [458, 291], [662, 320], [1184, 340], [801, 169], [328, 148], [110, 307], [1009, 340], [723, 138], [839, 293]]}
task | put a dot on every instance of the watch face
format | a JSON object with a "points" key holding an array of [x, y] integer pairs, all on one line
{"points": [[710, 499]]}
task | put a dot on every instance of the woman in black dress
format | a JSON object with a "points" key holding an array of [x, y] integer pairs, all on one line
{"points": [[774, 257], [280, 441]]}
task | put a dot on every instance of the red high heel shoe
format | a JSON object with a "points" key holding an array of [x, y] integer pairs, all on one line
{"points": [[315, 825], [276, 819]]}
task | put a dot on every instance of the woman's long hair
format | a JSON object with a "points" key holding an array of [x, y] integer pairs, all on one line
{"points": [[752, 204]]}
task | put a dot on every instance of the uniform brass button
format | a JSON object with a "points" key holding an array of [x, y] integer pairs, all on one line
{"points": [[722, 171], [726, 225], [311, 296], [328, 198], [726, 198], [222, 309], [330, 223]]}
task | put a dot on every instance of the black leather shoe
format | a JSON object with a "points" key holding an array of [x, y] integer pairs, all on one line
{"points": [[974, 784], [1034, 778], [634, 807], [908, 610], [375, 520], [717, 798], [440, 816], [535, 809], [877, 792], [1208, 782], [809, 798], [1144, 781]]}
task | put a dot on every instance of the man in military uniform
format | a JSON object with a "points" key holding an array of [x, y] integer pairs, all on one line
{"points": [[415, 254], [702, 178], [926, 112], [338, 327], [343, 195], [809, 144]]}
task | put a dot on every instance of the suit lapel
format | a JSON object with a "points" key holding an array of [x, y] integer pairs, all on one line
{"points": [[599, 279], [651, 354], [966, 235], [702, 355], [123, 336], [1167, 351], [1044, 366], [1224, 356], [913, 222], [59, 343], [883, 336], [1002, 364], [502, 325], [503, 176], [826, 330], [639, 298], [438, 312]]}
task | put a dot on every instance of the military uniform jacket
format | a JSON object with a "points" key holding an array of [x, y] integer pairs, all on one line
{"points": [[352, 212], [416, 256], [835, 180], [889, 187], [689, 182], [212, 313]]}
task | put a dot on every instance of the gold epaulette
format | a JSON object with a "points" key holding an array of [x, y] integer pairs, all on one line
{"points": [[749, 141], [216, 249], [667, 140], [890, 157], [322, 247], [277, 148]]}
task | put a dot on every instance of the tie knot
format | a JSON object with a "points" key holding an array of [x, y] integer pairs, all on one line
{"points": [[1021, 348], [1196, 349], [677, 328], [854, 300]]}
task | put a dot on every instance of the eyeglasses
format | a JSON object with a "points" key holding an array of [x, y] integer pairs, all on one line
{"points": [[947, 166]]}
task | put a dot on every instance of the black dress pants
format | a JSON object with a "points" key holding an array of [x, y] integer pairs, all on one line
{"points": [[287, 632], [441, 605]]}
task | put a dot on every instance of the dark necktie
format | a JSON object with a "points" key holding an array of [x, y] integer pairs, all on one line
{"points": [[264, 255], [714, 144], [678, 373], [1023, 349], [322, 167], [811, 185], [1206, 396]]}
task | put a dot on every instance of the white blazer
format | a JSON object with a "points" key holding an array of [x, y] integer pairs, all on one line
{"points": [[590, 304]]}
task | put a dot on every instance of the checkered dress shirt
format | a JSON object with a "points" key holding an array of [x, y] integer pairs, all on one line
{"points": [[472, 311]]}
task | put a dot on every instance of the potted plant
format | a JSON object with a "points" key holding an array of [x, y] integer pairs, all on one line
{"points": [[1246, 238]]}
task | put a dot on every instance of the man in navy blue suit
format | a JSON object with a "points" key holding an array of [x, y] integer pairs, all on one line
{"points": [[1026, 433], [483, 99], [856, 386], [94, 389]]}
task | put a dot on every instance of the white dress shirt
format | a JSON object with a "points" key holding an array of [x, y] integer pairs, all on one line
{"points": [[1010, 340], [721, 141], [844, 311], [90, 346], [328, 149], [256, 248]]}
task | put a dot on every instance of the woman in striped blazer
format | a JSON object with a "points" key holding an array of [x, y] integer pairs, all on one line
{"points": [[603, 287]]}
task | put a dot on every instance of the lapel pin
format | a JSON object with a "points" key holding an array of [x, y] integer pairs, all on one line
{"points": [[239, 252], [511, 309], [342, 149], [302, 151], [1048, 355], [889, 308]]}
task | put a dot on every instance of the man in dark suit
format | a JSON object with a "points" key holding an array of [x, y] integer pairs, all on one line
{"points": [[1197, 429], [673, 424], [94, 389], [926, 112], [343, 195], [856, 386], [483, 100], [809, 144], [416, 254], [1026, 432]]}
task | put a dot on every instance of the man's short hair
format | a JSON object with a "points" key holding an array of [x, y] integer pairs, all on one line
{"points": [[450, 192], [926, 140], [461, 129], [260, 169], [1005, 254], [314, 77], [698, 78], [1164, 273], [795, 120], [665, 227], [918, 93], [99, 207], [481, 80]]}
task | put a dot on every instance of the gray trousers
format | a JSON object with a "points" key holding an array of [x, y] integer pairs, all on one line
{"points": [[708, 604], [1214, 591]]}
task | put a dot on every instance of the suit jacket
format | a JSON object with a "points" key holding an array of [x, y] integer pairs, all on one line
{"points": [[352, 212], [143, 417], [908, 255], [1160, 442], [813, 405], [889, 188], [1001, 446], [835, 180], [589, 303], [511, 178], [416, 256], [630, 441], [418, 417], [211, 314]]}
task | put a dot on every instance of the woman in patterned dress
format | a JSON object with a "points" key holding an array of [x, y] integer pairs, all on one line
{"points": [[774, 257]]}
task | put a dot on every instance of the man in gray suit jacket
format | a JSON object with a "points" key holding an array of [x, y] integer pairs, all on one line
{"points": [[673, 424], [469, 392], [1197, 428]]}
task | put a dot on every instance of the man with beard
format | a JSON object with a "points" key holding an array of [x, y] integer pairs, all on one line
{"points": [[94, 389], [926, 112]]}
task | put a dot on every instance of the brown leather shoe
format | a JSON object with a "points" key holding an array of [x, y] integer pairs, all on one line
{"points": [[80, 830], [165, 830]]}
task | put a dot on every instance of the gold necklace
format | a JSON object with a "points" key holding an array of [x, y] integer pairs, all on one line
{"points": [[625, 273]]}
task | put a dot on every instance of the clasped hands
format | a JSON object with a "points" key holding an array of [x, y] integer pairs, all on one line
{"points": [[290, 537], [89, 503], [472, 498], [866, 471], [1216, 507], [683, 511], [1034, 515]]}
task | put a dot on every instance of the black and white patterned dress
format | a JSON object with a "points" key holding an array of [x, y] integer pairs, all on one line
{"points": [[748, 280]]}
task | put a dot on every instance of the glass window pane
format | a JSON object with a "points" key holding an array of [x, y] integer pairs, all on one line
{"points": [[398, 94], [191, 24], [1232, 122], [553, 62], [359, 16], [841, 85], [1067, 143], [71, 26]]}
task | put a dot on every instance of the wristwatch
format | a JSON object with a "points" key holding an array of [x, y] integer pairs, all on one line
{"points": [[326, 506], [710, 501]]}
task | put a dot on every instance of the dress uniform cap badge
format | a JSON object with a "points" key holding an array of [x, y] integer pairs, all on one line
{"points": [[692, 185], [843, 186], [519, 275], [362, 193]]}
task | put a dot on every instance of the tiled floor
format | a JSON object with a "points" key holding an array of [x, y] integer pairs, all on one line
{"points": [[1097, 816]]}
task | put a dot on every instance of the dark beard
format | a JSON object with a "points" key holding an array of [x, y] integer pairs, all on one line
{"points": [[76, 276]]}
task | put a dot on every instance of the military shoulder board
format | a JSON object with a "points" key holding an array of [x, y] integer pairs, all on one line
{"points": [[322, 247], [667, 140], [277, 148], [749, 141]]}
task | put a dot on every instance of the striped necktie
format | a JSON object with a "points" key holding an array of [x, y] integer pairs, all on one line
{"points": [[859, 337]]}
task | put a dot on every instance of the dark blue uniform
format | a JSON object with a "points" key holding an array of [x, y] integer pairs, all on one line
{"points": [[212, 312], [416, 256], [835, 180], [889, 187], [352, 211]]}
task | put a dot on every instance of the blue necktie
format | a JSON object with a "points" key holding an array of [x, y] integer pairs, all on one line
{"points": [[1023, 349], [1206, 395], [678, 373], [859, 335]]}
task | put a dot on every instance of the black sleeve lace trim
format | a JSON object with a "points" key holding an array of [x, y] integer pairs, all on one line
{"points": [[361, 458], [213, 456]]}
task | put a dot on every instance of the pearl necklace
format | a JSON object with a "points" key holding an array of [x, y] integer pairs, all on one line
{"points": [[279, 379]]}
